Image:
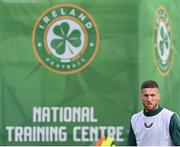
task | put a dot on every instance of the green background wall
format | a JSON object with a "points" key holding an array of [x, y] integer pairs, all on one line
{"points": [[169, 85], [110, 83]]}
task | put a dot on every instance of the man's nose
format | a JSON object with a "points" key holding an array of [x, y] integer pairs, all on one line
{"points": [[149, 97]]}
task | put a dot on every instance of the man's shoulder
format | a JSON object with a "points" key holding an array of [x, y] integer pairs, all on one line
{"points": [[167, 112], [137, 115]]}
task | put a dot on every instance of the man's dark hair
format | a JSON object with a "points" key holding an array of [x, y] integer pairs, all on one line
{"points": [[149, 84]]}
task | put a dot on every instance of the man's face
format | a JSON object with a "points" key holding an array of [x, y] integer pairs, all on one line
{"points": [[150, 98]]}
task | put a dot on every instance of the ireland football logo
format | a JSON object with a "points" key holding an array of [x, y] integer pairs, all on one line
{"points": [[65, 39], [162, 41]]}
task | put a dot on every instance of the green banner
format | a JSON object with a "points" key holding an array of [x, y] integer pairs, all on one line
{"points": [[158, 48], [70, 70]]}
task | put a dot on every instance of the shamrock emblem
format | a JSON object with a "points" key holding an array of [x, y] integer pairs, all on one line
{"points": [[164, 40], [66, 39]]}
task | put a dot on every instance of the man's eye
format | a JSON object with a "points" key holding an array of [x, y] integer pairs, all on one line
{"points": [[146, 95]]}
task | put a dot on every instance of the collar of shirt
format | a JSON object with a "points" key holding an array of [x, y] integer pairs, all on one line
{"points": [[154, 112]]}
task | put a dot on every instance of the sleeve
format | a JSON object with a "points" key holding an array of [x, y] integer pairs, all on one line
{"points": [[131, 137], [174, 129]]}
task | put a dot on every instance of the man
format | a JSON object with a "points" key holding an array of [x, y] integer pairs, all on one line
{"points": [[154, 126]]}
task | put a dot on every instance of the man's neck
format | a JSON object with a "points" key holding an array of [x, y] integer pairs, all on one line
{"points": [[154, 112], [155, 108]]}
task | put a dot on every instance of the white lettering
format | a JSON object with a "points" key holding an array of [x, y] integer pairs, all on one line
{"points": [[10, 129], [46, 114], [72, 12], [84, 134], [67, 114], [90, 133], [18, 134], [54, 14], [54, 113], [36, 134], [42, 27], [88, 25], [92, 118], [46, 19], [119, 134], [62, 134], [85, 114], [82, 17], [62, 11], [27, 134], [36, 114], [75, 134], [64, 114]]}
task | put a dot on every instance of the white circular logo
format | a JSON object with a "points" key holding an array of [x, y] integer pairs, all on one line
{"points": [[162, 42], [65, 39]]}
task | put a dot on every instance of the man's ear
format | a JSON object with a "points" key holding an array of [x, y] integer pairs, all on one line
{"points": [[158, 95], [140, 96]]}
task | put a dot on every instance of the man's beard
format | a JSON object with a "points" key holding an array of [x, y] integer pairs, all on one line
{"points": [[151, 109]]}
